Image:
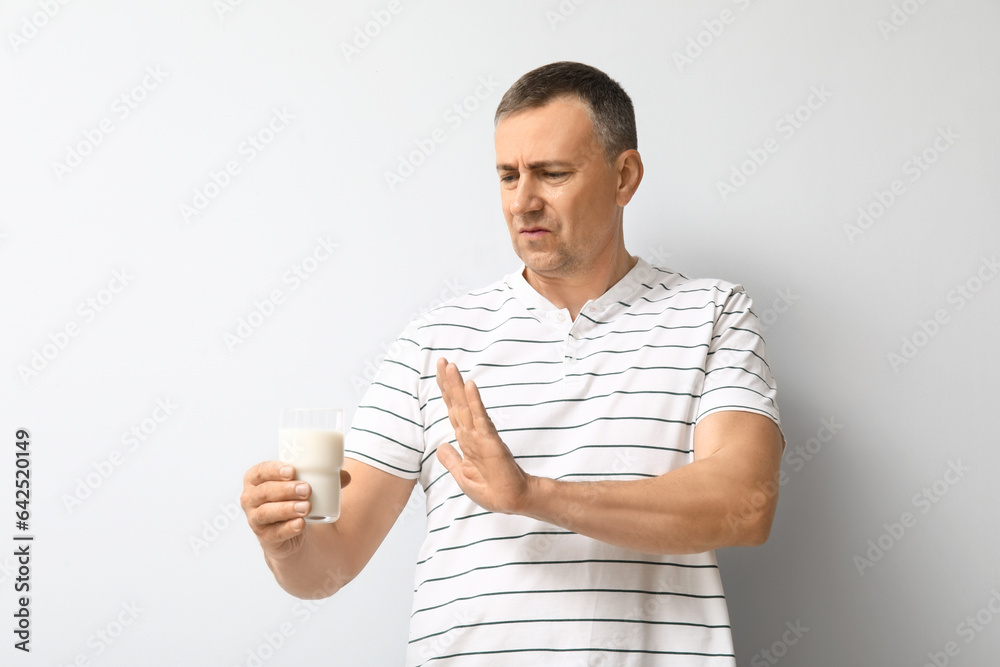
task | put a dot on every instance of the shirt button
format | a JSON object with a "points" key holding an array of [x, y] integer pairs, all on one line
{"points": [[561, 317]]}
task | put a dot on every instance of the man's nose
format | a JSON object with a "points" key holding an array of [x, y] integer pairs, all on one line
{"points": [[525, 198]]}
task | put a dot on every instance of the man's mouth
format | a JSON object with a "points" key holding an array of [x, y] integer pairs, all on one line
{"points": [[533, 232]]}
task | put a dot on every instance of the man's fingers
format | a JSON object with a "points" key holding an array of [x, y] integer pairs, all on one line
{"points": [[466, 410], [448, 456], [453, 392], [275, 505], [276, 534], [459, 398], [259, 501], [445, 393], [272, 514], [268, 471], [273, 492], [442, 364], [477, 410]]}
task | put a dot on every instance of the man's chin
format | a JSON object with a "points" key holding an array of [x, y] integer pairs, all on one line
{"points": [[536, 261], [552, 269]]}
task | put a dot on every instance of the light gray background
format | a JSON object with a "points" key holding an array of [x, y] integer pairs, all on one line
{"points": [[835, 305]]}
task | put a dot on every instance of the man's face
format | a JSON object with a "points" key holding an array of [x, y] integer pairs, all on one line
{"points": [[557, 189]]}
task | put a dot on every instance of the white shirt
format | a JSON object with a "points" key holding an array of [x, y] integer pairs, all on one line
{"points": [[614, 394]]}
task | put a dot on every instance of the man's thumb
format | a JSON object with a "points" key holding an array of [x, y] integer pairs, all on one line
{"points": [[448, 456]]}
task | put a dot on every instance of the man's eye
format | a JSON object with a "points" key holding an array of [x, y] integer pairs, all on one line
{"points": [[556, 174], [508, 178]]}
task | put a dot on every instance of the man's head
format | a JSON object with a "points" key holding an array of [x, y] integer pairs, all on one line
{"points": [[562, 195], [610, 108]]}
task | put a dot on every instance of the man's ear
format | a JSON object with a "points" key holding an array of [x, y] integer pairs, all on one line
{"points": [[628, 165]]}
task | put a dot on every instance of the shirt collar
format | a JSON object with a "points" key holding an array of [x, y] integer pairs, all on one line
{"points": [[619, 293]]}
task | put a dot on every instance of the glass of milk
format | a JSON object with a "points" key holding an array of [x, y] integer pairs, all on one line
{"points": [[312, 441]]}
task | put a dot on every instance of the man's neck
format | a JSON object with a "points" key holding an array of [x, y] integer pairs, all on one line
{"points": [[573, 292]]}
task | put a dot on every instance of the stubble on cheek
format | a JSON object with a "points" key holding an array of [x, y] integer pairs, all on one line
{"points": [[548, 257]]}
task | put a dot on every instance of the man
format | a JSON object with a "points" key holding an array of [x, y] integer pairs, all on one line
{"points": [[586, 431]]}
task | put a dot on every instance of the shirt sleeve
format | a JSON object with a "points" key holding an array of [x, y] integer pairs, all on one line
{"points": [[388, 429], [737, 372]]}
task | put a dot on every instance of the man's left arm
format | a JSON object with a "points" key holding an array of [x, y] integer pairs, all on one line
{"points": [[726, 497]]}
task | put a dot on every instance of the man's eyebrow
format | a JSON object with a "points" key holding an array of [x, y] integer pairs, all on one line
{"points": [[534, 166]]}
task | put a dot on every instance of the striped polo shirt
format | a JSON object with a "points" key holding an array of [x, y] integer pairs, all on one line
{"points": [[613, 395]]}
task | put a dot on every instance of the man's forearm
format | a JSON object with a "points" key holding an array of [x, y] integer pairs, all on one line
{"points": [[332, 554], [315, 571], [726, 497], [701, 506]]}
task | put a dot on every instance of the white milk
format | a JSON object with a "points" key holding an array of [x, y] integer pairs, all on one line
{"points": [[318, 456]]}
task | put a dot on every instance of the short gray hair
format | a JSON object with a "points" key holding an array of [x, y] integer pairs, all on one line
{"points": [[610, 108]]}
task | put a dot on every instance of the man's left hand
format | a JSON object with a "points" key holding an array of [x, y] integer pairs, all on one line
{"points": [[485, 470]]}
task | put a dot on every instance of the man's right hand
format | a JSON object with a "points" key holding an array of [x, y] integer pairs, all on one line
{"points": [[302, 559], [276, 505]]}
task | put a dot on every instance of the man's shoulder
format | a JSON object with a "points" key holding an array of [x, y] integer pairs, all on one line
{"points": [[674, 282], [462, 309]]}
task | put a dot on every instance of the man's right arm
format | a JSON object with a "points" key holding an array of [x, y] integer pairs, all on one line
{"points": [[315, 560]]}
